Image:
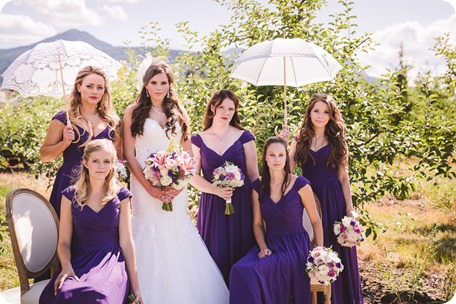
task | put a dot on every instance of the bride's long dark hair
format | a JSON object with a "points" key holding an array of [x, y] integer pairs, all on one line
{"points": [[172, 109]]}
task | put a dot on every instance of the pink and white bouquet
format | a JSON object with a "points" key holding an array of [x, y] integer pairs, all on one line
{"points": [[349, 232], [121, 170], [228, 175], [323, 264], [170, 168]]}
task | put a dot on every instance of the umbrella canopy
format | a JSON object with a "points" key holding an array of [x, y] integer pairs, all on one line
{"points": [[50, 69], [286, 62]]}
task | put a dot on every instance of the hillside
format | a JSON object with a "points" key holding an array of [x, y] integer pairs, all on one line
{"points": [[7, 56]]}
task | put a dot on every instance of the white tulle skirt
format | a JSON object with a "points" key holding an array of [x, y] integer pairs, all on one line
{"points": [[174, 266]]}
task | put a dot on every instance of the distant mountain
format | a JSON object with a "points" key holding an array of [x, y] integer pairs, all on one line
{"points": [[7, 56]]}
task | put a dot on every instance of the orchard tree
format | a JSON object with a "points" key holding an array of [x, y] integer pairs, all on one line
{"points": [[382, 127]]}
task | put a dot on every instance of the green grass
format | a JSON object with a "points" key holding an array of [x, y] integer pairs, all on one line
{"points": [[8, 272], [8, 277], [416, 253]]}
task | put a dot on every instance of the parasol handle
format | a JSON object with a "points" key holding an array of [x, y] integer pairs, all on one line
{"points": [[68, 122], [285, 116]]}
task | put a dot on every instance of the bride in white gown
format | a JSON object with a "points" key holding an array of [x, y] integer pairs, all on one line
{"points": [[174, 265]]}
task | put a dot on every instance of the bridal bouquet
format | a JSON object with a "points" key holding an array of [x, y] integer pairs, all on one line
{"points": [[323, 264], [230, 176], [121, 170], [169, 168], [349, 232]]}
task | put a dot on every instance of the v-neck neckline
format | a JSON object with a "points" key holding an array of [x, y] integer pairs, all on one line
{"points": [[221, 155], [85, 131], [319, 149], [100, 209], [283, 196]]}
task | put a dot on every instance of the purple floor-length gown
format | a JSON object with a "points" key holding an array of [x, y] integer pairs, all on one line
{"points": [[72, 159], [96, 257], [325, 184], [280, 277], [228, 237]]}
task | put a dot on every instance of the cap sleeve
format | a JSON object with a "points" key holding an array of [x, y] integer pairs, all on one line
{"points": [[246, 137], [197, 140], [301, 182], [123, 194], [256, 185], [69, 192], [61, 116]]}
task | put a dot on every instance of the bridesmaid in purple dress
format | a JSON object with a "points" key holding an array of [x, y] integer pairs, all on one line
{"points": [[95, 247], [274, 270], [91, 116], [227, 237], [320, 148]]}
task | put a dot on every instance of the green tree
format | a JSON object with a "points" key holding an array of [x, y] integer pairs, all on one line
{"points": [[379, 133]]}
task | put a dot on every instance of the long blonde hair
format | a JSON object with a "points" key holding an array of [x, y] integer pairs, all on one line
{"points": [[111, 184], [105, 109]]}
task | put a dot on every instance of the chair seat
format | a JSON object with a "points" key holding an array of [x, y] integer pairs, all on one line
{"points": [[33, 295], [315, 287], [11, 296]]}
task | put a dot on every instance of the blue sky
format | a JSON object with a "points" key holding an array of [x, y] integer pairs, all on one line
{"points": [[414, 22]]}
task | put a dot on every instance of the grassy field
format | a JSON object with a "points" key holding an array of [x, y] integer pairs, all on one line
{"points": [[414, 261]]}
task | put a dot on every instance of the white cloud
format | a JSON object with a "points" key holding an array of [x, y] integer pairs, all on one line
{"points": [[120, 1], [64, 13], [116, 12], [20, 29], [418, 42]]}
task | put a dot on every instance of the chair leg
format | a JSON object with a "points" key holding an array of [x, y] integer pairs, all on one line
{"points": [[327, 294], [314, 297]]}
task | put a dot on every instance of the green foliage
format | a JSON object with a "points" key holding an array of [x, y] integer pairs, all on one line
{"points": [[3, 231], [22, 131], [387, 120]]}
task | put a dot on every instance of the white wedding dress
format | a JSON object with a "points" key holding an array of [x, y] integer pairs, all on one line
{"points": [[174, 266]]}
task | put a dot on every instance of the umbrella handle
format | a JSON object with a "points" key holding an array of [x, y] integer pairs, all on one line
{"points": [[285, 136], [275, 131]]}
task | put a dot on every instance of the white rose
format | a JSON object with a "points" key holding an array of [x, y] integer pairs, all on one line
{"points": [[165, 180], [352, 237], [231, 168], [337, 229]]}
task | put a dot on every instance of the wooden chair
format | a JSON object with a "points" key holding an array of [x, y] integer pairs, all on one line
{"points": [[314, 285], [33, 226]]}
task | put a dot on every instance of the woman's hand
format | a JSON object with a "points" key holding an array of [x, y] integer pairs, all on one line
{"points": [[66, 273], [169, 193], [352, 213], [224, 192], [264, 253], [155, 191], [138, 298], [68, 135], [285, 133]]}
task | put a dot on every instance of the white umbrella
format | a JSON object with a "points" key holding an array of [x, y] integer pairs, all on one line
{"points": [[50, 69], [288, 62]]}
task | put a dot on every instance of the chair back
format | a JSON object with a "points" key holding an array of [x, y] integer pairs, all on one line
{"points": [[34, 228], [306, 220]]}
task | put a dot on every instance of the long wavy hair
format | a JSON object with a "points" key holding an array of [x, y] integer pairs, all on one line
{"points": [[216, 100], [82, 185], [265, 174], [335, 132], [172, 109], [105, 109]]}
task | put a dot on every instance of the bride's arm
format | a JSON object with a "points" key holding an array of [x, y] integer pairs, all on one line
{"points": [[133, 165]]}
